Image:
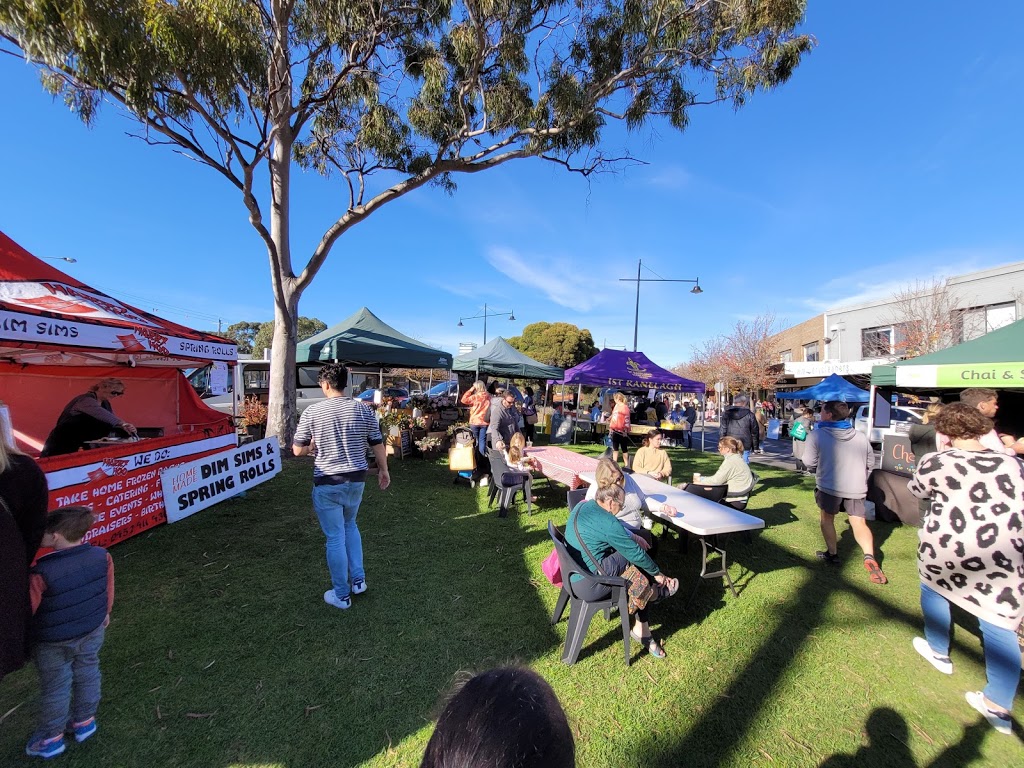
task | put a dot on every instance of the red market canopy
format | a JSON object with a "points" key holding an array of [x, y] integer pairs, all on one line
{"points": [[50, 318]]}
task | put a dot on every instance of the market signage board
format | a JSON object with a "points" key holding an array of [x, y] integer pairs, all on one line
{"points": [[189, 488], [897, 456], [124, 492], [993, 375], [18, 326]]}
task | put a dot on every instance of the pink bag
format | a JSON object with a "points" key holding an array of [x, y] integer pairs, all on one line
{"points": [[552, 570]]}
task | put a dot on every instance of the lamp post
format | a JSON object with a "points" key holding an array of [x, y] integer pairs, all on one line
{"points": [[485, 315], [636, 317]]}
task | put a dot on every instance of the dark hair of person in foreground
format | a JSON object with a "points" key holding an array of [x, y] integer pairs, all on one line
{"points": [[502, 718]]}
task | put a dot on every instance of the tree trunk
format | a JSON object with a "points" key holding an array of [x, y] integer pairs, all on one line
{"points": [[282, 416]]}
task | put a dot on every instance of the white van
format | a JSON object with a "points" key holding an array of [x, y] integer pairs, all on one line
{"points": [[252, 379]]}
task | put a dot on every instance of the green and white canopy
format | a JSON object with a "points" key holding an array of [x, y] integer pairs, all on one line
{"points": [[994, 360]]}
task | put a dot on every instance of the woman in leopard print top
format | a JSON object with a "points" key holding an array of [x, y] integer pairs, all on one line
{"points": [[971, 552]]}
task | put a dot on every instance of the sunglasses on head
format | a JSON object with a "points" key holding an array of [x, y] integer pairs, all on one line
{"points": [[117, 394]]}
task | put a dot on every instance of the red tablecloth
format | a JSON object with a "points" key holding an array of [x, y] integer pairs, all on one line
{"points": [[561, 465]]}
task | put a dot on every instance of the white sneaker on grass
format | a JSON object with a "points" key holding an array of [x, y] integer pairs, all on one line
{"points": [[1002, 723], [332, 599], [941, 663], [358, 586]]}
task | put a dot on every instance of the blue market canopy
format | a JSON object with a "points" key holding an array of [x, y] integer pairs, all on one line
{"points": [[835, 387], [365, 339], [499, 358]]}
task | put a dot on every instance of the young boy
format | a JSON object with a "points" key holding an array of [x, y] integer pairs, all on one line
{"points": [[72, 591]]}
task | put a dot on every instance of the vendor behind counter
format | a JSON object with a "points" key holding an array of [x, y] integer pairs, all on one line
{"points": [[88, 416]]}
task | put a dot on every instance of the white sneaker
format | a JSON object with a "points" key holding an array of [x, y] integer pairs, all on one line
{"points": [[358, 586], [944, 665], [332, 599], [1002, 723], [484, 481]]}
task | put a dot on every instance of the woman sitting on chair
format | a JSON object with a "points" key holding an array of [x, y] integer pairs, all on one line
{"points": [[734, 473], [652, 459], [607, 549], [609, 473]]}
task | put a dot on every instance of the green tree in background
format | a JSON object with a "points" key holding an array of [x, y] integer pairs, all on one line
{"points": [[388, 96], [243, 334], [264, 338], [561, 344]]}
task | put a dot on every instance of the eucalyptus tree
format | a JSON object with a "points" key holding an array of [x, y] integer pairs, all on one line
{"points": [[388, 96]]}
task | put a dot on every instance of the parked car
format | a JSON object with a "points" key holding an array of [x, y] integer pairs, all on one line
{"points": [[901, 418], [395, 392]]}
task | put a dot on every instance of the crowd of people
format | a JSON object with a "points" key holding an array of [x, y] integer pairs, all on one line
{"points": [[968, 475]]}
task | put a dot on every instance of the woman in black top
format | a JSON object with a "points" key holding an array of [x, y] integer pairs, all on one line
{"points": [[922, 436]]}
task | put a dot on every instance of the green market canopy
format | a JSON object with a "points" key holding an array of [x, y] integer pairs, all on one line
{"points": [[994, 360], [499, 358], [365, 339]]}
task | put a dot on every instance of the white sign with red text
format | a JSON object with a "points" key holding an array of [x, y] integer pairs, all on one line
{"points": [[189, 488]]}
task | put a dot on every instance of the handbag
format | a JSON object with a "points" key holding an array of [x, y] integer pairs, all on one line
{"points": [[531, 418], [461, 457], [552, 568], [798, 431], [640, 590]]}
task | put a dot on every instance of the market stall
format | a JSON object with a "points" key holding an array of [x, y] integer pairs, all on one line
{"points": [[58, 338]]}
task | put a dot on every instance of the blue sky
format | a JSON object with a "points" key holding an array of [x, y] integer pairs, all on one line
{"points": [[893, 154]]}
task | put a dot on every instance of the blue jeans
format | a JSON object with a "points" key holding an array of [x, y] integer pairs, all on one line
{"points": [[480, 438], [336, 507], [69, 682], [746, 456], [1002, 653]]}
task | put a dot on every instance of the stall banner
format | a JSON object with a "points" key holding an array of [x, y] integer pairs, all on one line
{"points": [[189, 488], [961, 376], [124, 492], [218, 378], [897, 456], [18, 326]]}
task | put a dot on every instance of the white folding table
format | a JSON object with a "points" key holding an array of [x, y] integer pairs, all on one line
{"points": [[701, 517]]}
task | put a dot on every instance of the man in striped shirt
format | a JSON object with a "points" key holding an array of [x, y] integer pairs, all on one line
{"points": [[336, 431]]}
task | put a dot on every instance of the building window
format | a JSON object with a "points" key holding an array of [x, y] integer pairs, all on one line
{"points": [[786, 356], [876, 342], [811, 352], [978, 321]]}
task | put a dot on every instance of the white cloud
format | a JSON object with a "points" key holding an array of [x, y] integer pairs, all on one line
{"points": [[669, 177], [883, 280], [559, 279]]}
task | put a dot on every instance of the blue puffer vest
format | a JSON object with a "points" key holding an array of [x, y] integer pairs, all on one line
{"points": [[75, 600]]}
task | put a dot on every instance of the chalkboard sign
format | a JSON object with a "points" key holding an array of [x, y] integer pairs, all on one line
{"points": [[406, 442], [897, 456]]}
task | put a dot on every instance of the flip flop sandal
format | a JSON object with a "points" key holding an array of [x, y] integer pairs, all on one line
{"points": [[652, 646], [874, 572], [667, 590]]}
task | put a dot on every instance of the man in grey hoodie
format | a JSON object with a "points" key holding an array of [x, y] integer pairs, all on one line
{"points": [[842, 458]]}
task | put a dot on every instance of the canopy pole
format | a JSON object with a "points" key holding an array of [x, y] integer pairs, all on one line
{"points": [[871, 411]]}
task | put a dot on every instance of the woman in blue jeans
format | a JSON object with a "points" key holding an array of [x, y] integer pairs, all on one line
{"points": [[967, 554]]}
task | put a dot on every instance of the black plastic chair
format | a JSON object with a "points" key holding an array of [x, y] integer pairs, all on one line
{"points": [[506, 483], [709, 492], [575, 497], [582, 611]]}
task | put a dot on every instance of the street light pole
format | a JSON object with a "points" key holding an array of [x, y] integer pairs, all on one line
{"points": [[636, 316], [485, 315]]}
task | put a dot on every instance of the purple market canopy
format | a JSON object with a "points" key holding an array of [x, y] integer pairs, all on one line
{"points": [[627, 370]]}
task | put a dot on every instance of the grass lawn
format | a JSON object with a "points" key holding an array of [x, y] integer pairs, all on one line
{"points": [[222, 652]]}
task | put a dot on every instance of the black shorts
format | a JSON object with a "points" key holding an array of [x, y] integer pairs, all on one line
{"points": [[620, 441], [831, 505]]}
